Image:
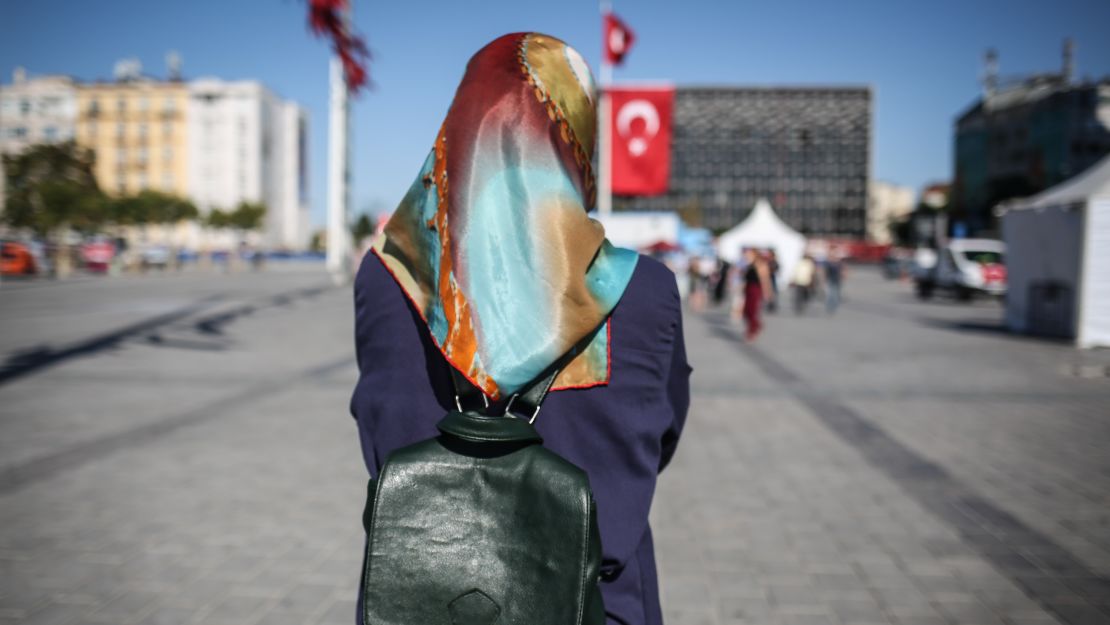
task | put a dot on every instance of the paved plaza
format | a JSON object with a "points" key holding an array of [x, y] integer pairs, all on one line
{"points": [[176, 449]]}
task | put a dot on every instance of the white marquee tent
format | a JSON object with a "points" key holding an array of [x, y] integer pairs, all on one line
{"points": [[763, 229], [1058, 259], [637, 230]]}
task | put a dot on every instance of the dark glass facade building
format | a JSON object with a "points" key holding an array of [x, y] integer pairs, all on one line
{"points": [[806, 149], [1023, 137]]}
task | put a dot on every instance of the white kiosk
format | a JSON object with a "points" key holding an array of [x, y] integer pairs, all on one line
{"points": [[1058, 259]]}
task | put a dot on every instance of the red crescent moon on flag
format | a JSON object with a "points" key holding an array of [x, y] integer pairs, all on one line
{"points": [[638, 109]]}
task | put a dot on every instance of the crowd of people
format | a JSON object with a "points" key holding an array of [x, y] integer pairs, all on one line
{"points": [[754, 286]]}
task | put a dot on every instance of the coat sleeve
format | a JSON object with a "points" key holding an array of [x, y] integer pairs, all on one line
{"points": [[678, 387]]}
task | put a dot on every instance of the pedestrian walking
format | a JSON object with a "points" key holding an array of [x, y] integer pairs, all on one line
{"points": [[773, 272], [757, 286], [834, 273], [720, 281], [803, 283], [491, 267], [696, 294]]}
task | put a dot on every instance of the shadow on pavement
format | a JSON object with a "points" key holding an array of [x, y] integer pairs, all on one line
{"points": [[29, 361]]}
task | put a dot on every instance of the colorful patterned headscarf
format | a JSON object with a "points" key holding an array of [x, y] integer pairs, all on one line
{"points": [[492, 242]]}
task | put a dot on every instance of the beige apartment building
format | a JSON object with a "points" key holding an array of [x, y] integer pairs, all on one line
{"points": [[137, 129]]}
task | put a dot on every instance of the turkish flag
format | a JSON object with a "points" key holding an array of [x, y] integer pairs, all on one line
{"points": [[640, 139], [618, 39]]}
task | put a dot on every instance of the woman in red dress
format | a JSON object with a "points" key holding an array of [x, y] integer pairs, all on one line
{"points": [[757, 286]]}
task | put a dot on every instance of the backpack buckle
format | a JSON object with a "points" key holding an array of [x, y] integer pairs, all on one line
{"points": [[509, 408], [458, 402]]}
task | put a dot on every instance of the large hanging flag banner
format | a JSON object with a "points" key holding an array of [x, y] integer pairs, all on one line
{"points": [[618, 39], [640, 123]]}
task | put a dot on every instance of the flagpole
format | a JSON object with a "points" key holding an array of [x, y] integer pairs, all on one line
{"points": [[338, 235], [605, 158]]}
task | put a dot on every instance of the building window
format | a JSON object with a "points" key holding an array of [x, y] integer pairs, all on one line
{"points": [[18, 132], [121, 105], [142, 131], [167, 154], [50, 133], [167, 129], [120, 130], [144, 103], [25, 106], [169, 106], [94, 108]]}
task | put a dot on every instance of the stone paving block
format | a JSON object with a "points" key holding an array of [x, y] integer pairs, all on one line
{"points": [[750, 609], [1031, 618], [854, 610], [793, 596], [168, 615], [54, 614], [236, 609], [692, 617], [305, 598], [126, 607], [340, 612], [922, 620]]}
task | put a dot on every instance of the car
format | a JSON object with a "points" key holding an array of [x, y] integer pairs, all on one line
{"points": [[155, 256], [17, 259], [97, 255], [965, 268]]}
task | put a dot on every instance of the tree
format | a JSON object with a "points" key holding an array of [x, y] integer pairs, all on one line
{"points": [[151, 207], [218, 219], [247, 216], [901, 231], [51, 188], [362, 228], [164, 208], [316, 244]]}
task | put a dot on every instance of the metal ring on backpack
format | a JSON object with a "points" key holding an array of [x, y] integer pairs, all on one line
{"points": [[509, 408], [458, 402]]}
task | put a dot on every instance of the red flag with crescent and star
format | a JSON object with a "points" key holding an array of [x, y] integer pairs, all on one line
{"points": [[618, 39], [640, 122]]}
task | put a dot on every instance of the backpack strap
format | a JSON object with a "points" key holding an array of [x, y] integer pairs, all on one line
{"points": [[465, 391], [529, 399], [526, 402]]}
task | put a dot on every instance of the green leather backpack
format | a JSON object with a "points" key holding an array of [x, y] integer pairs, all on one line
{"points": [[482, 525]]}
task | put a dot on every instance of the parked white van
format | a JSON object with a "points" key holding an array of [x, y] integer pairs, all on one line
{"points": [[966, 267]]}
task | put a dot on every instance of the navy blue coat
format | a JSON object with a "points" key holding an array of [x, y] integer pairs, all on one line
{"points": [[621, 434]]}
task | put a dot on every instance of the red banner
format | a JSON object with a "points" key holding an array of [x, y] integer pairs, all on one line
{"points": [[640, 123], [618, 39]]}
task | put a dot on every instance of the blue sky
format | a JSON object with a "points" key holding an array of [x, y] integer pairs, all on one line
{"points": [[922, 58]]}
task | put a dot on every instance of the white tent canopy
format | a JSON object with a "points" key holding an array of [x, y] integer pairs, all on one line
{"points": [[1058, 259], [763, 229], [637, 230]]}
